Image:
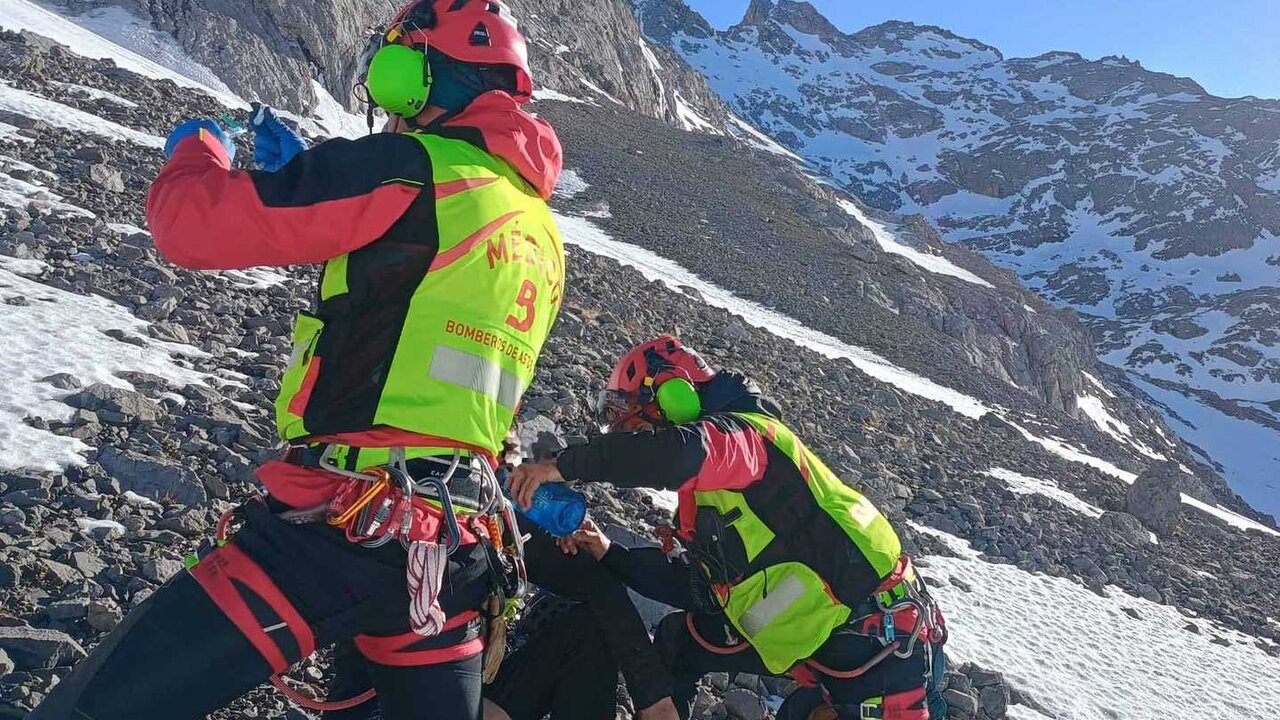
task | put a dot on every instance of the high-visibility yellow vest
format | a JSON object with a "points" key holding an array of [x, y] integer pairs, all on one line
{"points": [[441, 345], [798, 579]]}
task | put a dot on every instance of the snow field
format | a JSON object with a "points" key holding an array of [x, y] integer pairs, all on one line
{"points": [[61, 332], [1084, 656]]}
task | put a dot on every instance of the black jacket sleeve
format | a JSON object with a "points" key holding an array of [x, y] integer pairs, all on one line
{"points": [[663, 459]]}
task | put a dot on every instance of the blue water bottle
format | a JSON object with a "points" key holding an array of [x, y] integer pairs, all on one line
{"points": [[556, 508]]}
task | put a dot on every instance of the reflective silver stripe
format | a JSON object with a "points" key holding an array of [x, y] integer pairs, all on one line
{"points": [[477, 373], [770, 606]]}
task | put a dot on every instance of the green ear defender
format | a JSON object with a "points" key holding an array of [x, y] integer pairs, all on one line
{"points": [[678, 399], [399, 80]]}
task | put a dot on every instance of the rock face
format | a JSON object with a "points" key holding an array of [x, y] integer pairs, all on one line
{"points": [[280, 51], [1155, 498], [1047, 165]]}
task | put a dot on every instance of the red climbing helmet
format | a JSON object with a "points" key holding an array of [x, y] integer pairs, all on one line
{"points": [[631, 400], [483, 32]]}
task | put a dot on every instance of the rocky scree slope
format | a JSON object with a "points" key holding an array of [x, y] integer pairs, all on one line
{"points": [[80, 547], [1147, 204]]}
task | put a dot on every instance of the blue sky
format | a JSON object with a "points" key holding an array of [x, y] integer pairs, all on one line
{"points": [[1231, 47]]}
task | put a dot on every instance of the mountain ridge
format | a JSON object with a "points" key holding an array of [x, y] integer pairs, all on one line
{"points": [[1133, 196]]}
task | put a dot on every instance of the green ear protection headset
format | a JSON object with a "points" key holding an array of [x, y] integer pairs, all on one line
{"points": [[398, 76], [676, 396]]}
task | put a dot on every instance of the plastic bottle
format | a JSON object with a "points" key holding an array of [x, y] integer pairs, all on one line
{"points": [[556, 508]]}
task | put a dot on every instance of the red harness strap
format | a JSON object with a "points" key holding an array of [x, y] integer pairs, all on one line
{"points": [[390, 649], [220, 571]]}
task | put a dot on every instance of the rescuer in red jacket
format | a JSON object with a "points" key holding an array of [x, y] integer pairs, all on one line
{"points": [[443, 273]]}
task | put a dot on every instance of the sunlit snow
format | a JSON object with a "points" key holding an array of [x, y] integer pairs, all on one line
{"points": [[1083, 655], [116, 34], [890, 244], [61, 332], [21, 102]]}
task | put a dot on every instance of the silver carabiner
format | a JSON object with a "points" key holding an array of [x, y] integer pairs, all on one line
{"points": [[453, 533]]}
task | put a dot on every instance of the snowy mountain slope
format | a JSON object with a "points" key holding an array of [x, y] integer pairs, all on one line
{"points": [[80, 549], [1135, 197]]}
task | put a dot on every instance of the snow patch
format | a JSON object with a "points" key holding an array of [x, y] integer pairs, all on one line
{"points": [[1067, 452], [93, 93], [759, 140], [1055, 639], [1229, 517], [1026, 485], [549, 94], [61, 332], [257, 278], [571, 184], [330, 119], [30, 105], [22, 266], [89, 525], [662, 499], [691, 120], [116, 34], [22, 193], [890, 244], [126, 229]]}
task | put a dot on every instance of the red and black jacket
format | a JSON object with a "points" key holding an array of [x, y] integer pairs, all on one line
{"points": [[373, 198], [721, 451], [332, 199]]}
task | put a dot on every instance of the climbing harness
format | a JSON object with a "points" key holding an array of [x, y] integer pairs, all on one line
{"points": [[903, 593], [373, 508]]}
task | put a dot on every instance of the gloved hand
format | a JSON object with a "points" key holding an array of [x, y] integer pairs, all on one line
{"points": [[191, 127], [275, 143]]}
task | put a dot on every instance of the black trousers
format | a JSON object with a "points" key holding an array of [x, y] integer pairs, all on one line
{"points": [[178, 656], [570, 667], [564, 670], [894, 681]]}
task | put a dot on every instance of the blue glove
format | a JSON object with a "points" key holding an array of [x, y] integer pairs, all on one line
{"points": [[274, 143], [192, 127]]}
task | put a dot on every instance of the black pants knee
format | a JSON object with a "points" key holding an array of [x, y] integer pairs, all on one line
{"points": [[691, 657]]}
